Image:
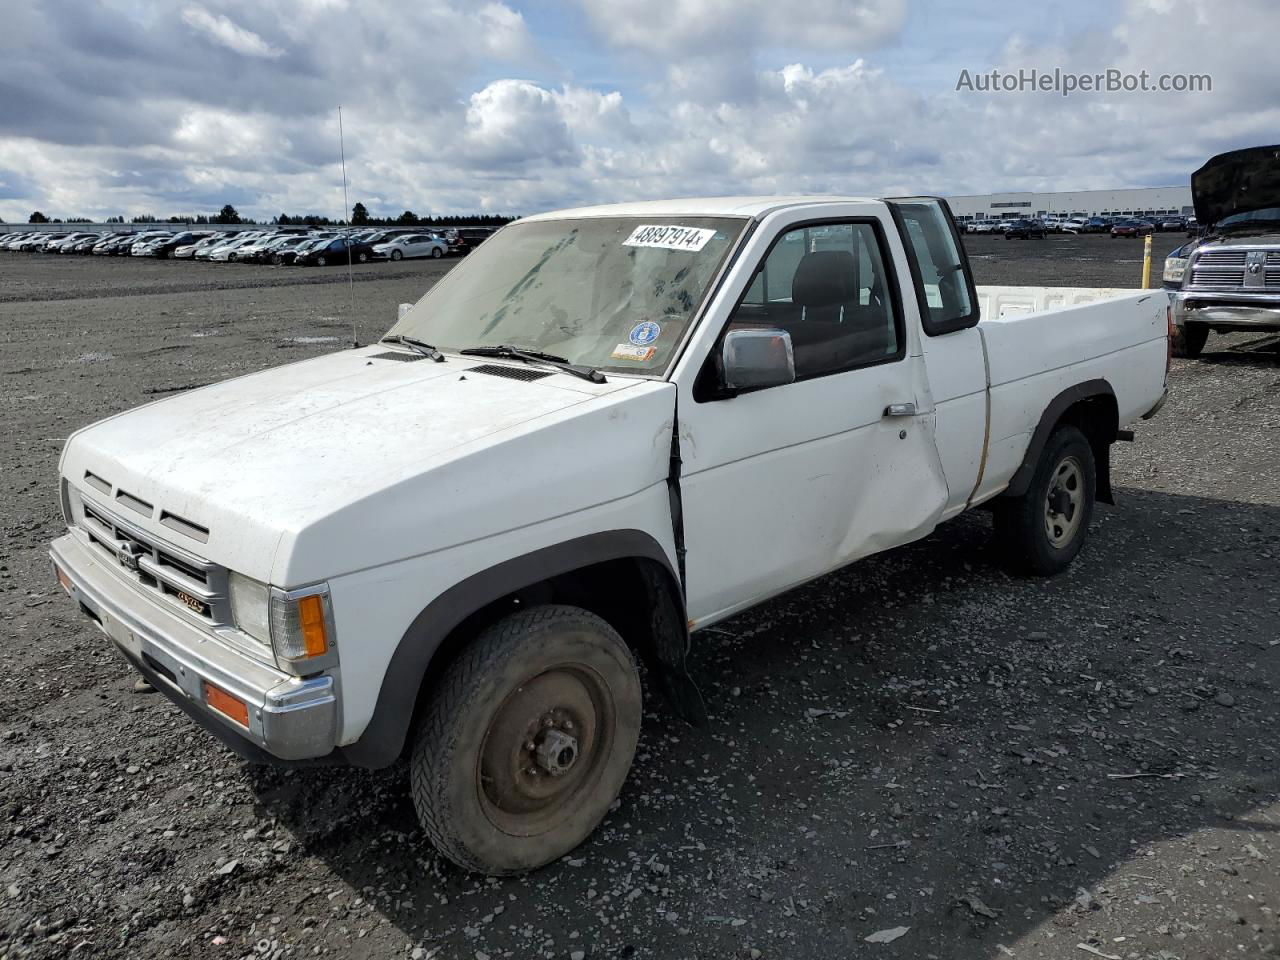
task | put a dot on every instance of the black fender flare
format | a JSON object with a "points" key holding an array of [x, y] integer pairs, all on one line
{"points": [[1053, 413], [383, 738]]}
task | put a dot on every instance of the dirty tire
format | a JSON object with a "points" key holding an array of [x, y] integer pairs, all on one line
{"points": [[1189, 339], [487, 803], [1040, 532]]}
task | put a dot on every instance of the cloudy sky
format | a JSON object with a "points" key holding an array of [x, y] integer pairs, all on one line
{"points": [[168, 107]]}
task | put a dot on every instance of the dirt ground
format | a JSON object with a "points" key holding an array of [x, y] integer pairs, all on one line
{"points": [[1066, 768]]}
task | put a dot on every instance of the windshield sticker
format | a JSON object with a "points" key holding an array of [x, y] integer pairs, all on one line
{"points": [[669, 238], [626, 351], [643, 334]]}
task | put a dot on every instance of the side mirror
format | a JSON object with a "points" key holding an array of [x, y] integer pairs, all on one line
{"points": [[753, 359]]}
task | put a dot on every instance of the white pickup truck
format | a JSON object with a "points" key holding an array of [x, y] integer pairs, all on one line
{"points": [[604, 430]]}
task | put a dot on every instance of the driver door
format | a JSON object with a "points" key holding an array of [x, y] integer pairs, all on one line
{"points": [[783, 484]]}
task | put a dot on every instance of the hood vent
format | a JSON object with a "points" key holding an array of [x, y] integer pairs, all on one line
{"points": [[134, 503], [524, 374], [95, 481], [185, 527], [397, 355]]}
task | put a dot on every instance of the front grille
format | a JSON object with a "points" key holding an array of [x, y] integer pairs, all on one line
{"points": [[1235, 269], [192, 585]]}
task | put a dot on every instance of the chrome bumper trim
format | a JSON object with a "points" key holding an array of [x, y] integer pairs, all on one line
{"points": [[1262, 310], [290, 718]]}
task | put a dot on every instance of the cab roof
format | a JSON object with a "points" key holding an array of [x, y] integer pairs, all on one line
{"points": [[746, 207]]}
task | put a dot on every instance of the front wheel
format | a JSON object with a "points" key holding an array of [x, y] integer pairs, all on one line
{"points": [[1189, 339], [1041, 531], [322, 261], [396, 255], [527, 740]]}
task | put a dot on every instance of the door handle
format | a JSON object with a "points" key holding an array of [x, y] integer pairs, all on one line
{"points": [[900, 410]]}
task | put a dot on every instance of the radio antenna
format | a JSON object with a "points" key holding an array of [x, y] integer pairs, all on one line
{"points": [[351, 283]]}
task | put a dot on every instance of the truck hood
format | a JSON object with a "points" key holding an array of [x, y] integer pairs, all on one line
{"points": [[260, 461], [1236, 182]]}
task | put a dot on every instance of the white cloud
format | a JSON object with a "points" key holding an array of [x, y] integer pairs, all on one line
{"points": [[667, 28], [698, 97], [224, 31]]}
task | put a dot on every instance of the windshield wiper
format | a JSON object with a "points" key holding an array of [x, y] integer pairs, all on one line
{"points": [[426, 349], [507, 352]]}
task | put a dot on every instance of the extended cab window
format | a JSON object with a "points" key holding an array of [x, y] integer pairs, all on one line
{"points": [[938, 266], [826, 286]]}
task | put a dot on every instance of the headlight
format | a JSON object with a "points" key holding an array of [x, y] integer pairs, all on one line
{"points": [[297, 625], [250, 606], [1174, 268]]}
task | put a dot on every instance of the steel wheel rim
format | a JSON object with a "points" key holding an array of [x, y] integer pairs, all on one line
{"points": [[518, 795], [1064, 502]]}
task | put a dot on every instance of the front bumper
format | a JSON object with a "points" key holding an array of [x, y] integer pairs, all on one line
{"points": [[289, 718], [1242, 310]]}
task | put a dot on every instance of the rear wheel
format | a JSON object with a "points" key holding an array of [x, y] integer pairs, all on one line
{"points": [[1189, 339], [436, 253], [527, 740], [1041, 531], [362, 258]]}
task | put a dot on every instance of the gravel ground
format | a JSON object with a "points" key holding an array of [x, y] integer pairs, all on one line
{"points": [[1084, 766]]}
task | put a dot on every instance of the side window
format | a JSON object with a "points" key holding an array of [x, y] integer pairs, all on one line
{"points": [[938, 266], [826, 286]]}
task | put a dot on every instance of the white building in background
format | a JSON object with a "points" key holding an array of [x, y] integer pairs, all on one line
{"points": [[1140, 201]]}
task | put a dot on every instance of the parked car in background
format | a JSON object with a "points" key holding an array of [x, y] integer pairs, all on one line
{"points": [[1076, 225], [1193, 226], [252, 251], [229, 252], [411, 245], [188, 251], [1024, 230], [164, 247], [287, 250], [123, 244], [330, 253], [144, 240], [45, 241], [1131, 228], [66, 243], [467, 239], [1172, 222], [84, 244]]}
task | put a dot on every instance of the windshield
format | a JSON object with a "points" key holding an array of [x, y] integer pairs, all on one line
{"points": [[613, 293]]}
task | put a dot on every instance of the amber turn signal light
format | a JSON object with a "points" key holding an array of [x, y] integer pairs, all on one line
{"points": [[311, 620], [226, 704]]}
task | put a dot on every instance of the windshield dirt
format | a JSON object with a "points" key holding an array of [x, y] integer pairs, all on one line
{"points": [[613, 293]]}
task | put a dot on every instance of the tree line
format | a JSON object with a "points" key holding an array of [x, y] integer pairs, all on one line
{"points": [[360, 217]]}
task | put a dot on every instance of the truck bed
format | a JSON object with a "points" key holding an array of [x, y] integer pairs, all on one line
{"points": [[1040, 341]]}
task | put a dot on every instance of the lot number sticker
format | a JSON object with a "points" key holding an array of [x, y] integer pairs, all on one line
{"points": [[669, 238]]}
